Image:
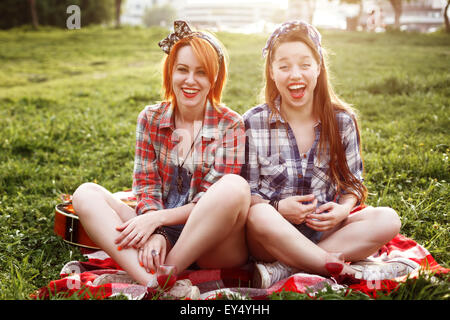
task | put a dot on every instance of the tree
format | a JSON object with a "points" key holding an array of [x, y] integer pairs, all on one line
{"points": [[359, 2], [311, 7], [118, 9], [447, 23], [398, 8], [354, 20], [34, 15], [302, 9], [14, 13]]}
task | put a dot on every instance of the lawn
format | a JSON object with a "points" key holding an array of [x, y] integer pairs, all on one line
{"points": [[69, 100]]}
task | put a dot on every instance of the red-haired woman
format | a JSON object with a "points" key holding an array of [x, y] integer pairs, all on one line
{"points": [[192, 203], [304, 167]]}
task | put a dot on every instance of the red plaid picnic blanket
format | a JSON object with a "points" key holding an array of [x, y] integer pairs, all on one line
{"points": [[78, 277]]}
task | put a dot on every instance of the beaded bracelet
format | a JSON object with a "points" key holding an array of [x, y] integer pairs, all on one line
{"points": [[162, 232], [274, 203]]}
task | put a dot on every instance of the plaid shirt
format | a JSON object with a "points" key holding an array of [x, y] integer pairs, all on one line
{"points": [[274, 167], [219, 150]]}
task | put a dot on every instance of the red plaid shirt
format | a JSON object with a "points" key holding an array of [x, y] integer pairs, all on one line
{"points": [[220, 151]]}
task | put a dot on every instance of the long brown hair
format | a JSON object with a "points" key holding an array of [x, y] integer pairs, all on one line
{"points": [[325, 106]]}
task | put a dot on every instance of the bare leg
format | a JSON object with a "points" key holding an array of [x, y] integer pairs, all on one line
{"points": [[362, 233], [100, 213], [270, 237], [214, 234], [358, 237]]}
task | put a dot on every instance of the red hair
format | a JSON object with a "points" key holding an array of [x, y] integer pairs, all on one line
{"points": [[209, 59], [325, 106]]}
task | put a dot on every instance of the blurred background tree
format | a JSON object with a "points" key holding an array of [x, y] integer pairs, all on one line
{"points": [[118, 10], [159, 15], [447, 23], [398, 8], [397, 5], [354, 22], [14, 13], [301, 9], [33, 12]]}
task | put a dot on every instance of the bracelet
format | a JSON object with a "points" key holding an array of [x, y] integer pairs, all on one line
{"points": [[274, 203], [162, 232]]}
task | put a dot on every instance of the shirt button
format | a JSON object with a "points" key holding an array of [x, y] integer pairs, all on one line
{"points": [[300, 175]]}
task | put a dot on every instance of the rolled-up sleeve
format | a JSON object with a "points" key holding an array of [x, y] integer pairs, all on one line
{"points": [[146, 179]]}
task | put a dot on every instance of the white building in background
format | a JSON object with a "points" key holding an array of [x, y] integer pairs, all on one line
{"points": [[232, 15], [227, 15], [417, 15], [133, 10], [251, 16]]}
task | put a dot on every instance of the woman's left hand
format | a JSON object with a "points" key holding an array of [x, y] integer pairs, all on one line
{"points": [[136, 231], [334, 214]]}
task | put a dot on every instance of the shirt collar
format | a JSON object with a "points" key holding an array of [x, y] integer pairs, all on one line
{"points": [[209, 129], [166, 118]]}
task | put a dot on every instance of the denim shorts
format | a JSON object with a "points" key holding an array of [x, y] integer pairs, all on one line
{"points": [[309, 233], [177, 199], [173, 232]]}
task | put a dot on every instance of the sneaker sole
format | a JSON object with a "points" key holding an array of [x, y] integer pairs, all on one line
{"points": [[413, 265], [359, 266], [257, 281]]}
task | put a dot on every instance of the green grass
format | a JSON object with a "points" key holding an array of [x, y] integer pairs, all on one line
{"points": [[69, 102]]}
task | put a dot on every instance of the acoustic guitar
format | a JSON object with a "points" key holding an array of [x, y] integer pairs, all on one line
{"points": [[68, 226]]}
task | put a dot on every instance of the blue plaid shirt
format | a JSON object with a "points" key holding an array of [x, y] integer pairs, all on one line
{"points": [[274, 167]]}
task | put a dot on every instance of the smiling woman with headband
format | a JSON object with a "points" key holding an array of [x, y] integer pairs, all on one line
{"points": [[192, 204], [304, 167]]}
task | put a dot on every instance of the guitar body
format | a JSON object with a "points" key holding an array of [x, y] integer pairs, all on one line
{"points": [[68, 226]]}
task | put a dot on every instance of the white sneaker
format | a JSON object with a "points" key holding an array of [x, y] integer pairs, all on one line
{"points": [[373, 270], [266, 274], [183, 289]]}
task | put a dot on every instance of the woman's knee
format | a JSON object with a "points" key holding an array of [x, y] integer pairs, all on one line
{"points": [[259, 220], [83, 195], [237, 186], [388, 221], [392, 220], [235, 191]]}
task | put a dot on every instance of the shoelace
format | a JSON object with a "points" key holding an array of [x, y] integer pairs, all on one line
{"points": [[277, 271], [388, 272]]}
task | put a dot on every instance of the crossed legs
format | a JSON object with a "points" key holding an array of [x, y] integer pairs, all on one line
{"points": [[270, 237], [213, 236]]}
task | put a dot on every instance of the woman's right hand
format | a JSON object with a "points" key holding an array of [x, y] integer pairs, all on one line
{"points": [[153, 253], [295, 210]]}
